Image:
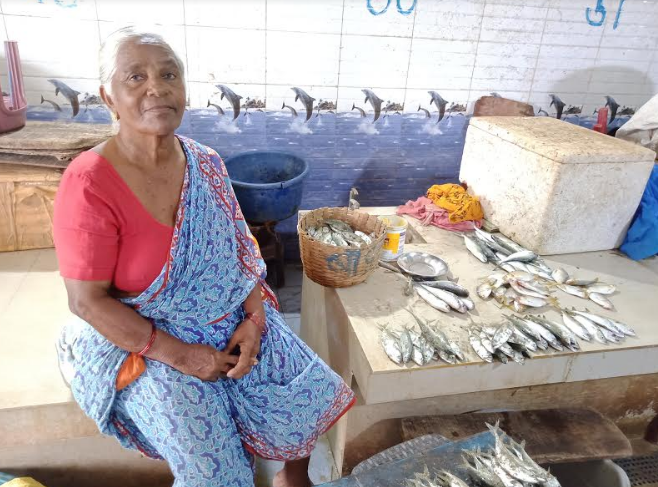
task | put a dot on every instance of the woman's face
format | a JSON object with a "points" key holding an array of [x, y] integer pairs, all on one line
{"points": [[148, 92]]}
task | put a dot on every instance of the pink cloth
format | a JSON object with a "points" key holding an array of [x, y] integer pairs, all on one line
{"points": [[430, 214]]}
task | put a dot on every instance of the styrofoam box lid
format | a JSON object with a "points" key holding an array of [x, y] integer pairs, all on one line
{"points": [[562, 141]]}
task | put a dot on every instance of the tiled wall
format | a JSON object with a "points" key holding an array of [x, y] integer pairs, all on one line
{"points": [[522, 49], [462, 49]]}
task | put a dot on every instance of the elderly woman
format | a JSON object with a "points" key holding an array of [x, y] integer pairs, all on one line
{"points": [[180, 352]]}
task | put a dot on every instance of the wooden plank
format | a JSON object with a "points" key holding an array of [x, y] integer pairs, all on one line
{"points": [[552, 435], [56, 136], [502, 107]]}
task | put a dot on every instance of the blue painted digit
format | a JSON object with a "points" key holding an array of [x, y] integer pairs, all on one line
{"points": [[600, 9], [373, 11], [621, 4], [409, 10]]}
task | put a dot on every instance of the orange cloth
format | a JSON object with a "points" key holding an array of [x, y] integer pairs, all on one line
{"points": [[132, 367], [460, 205]]}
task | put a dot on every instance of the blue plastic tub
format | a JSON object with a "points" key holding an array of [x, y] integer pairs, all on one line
{"points": [[268, 184]]}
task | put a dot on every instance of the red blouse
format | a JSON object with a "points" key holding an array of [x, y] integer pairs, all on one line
{"points": [[102, 231]]}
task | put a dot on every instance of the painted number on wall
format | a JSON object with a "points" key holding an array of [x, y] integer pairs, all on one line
{"points": [[402, 10], [596, 16]]}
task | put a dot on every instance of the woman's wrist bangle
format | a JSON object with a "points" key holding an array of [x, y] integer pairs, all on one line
{"points": [[258, 320], [154, 332]]}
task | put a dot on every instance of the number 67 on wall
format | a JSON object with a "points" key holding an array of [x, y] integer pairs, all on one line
{"points": [[600, 10], [372, 10]]}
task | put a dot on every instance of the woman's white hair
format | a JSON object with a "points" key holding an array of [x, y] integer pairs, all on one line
{"points": [[113, 43]]}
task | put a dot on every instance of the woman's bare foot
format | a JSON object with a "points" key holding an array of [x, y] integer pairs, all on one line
{"points": [[293, 474]]}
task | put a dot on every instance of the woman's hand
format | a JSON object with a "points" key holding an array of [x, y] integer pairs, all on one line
{"points": [[205, 362], [247, 336]]}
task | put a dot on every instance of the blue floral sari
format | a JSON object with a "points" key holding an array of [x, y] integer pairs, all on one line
{"points": [[208, 431]]}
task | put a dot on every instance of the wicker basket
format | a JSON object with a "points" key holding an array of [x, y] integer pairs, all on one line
{"points": [[340, 266]]}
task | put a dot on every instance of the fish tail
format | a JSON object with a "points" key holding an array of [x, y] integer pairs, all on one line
{"points": [[42, 100], [208, 103]]}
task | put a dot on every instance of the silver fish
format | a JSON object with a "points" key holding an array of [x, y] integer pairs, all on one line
{"points": [[575, 327], [601, 288], [478, 470], [447, 357], [364, 237], [507, 267], [508, 243], [603, 322], [474, 249], [522, 256], [518, 307], [479, 348], [434, 336], [581, 282], [453, 301], [406, 345], [486, 250], [456, 351], [590, 326], [501, 356], [449, 286], [512, 464], [449, 480], [486, 342], [484, 290], [496, 246], [423, 352], [519, 266], [610, 336], [519, 276], [560, 331], [391, 346], [573, 290], [534, 302], [516, 285], [601, 300], [338, 225], [470, 305], [431, 299], [503, 333], [519, 338], [625, 329], [339, 240]]}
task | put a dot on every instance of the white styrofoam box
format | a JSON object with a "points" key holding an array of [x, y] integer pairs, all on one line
{"points": [[237, 14], [552, 186], [230, 55], [319, 52]]}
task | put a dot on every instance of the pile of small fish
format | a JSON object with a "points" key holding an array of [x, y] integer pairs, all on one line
{"points": [[517, 290], [520, 336], [442, 295], [505, 465], [528, 269], [406, 345], [339, 234]]}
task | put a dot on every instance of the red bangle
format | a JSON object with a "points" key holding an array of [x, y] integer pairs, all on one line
{"points": [[148, 346], [258, 321]]}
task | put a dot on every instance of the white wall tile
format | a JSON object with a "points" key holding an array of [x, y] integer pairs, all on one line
{"points": [[416, 98], [361, 61], [150, 12], [35, 87], [302, 59], [226, 55], [300, 16], [517, 12], [357, 20], [247, 14], [68, 9], [521, 96], [65, 48]]}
